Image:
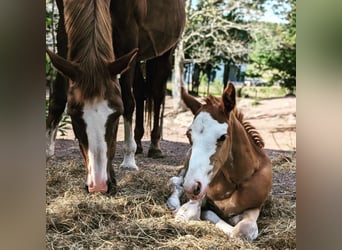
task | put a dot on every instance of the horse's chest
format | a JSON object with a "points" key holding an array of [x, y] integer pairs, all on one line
{"points": [[220, 188]]}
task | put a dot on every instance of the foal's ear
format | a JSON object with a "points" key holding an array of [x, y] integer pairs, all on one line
{"points": [[190, 101], [122, 64], [63, 66], [229, 98]]}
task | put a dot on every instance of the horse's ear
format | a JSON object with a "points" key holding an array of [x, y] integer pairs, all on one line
{"points": [[122, 64], [190, 101], [229, 98], [63, 66]]}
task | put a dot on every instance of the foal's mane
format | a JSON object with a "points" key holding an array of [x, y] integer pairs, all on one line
{"points": [[249, 128], [89, 31]]}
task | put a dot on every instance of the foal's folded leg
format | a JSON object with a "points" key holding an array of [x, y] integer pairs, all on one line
{"points": [[189, 211], [219, 223], [175, 184], [247, 227]]}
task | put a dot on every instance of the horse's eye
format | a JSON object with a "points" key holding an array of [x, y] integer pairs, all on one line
{"points": [[222, 138]]}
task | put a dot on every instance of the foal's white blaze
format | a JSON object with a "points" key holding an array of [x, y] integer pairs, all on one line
{"points": [[204, 133], [95, 115]]}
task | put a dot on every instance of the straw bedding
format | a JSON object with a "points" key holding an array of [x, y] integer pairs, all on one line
{"points": [[136, 217]]}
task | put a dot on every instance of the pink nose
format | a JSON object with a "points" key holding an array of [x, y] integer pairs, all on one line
{"points": [[194, 190]]}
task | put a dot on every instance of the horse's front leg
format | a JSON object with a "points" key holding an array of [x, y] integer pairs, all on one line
{"points": [[130, 145], [56, 108], [58, 98]]}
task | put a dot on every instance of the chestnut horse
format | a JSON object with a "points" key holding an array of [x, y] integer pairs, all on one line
{"points": [[227, 175], [94, 95]]}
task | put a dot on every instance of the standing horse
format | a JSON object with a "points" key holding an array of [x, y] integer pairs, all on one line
{"points": [[227, 174], [154, 27], [152, 92], [95, 97]]}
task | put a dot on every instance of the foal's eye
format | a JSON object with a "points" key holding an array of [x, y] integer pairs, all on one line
{"points": [[222, 138]]}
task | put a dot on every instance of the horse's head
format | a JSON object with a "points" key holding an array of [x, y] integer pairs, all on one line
{"points": [[209, 139], [95, 105]]}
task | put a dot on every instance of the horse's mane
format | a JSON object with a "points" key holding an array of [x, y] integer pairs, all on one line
{"points": [[250, 129], [89, 31]]}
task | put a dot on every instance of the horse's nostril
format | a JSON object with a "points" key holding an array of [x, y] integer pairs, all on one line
{"points": [[197, 189]]}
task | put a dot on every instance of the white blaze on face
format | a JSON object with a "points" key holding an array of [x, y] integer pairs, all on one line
{"points": [[204, 134], [95, 115]]}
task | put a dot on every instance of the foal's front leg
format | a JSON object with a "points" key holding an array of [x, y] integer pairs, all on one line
{"points": [[244, 225], [175, 184]]}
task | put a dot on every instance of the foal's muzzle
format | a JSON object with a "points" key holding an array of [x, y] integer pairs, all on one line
{"points": [[195, 192]]}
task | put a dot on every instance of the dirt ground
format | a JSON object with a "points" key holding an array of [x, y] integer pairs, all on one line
{"points": [[275, 119]]}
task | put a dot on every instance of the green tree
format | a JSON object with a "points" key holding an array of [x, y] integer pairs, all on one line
{"points": [[273, 54], [284, 61]]}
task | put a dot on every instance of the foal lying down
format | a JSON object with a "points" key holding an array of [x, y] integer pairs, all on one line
{"points": [[227, 176]]}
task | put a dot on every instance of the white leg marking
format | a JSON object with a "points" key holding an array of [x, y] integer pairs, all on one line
{"points": [[219, 223], [50, 142], [189, 211], [174, 184], [95, 115], [246, 229], [129, 148]]}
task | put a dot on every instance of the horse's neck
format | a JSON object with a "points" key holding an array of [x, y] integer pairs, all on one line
{"points": [[243, 157]]}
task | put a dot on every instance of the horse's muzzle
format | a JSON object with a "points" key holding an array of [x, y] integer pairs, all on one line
{"points": [[195, 192]]}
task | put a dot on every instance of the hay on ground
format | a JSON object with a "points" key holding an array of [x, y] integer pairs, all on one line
{"points": [[136, 217]]}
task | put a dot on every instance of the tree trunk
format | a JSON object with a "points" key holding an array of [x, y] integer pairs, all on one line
{"points": [[178, 104]]}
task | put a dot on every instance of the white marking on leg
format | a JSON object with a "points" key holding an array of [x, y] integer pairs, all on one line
{"points": [[205, 131], [219, 223], [95, 115], [129, 148], [50, 142], [246, 229], [175, 185], [189, 211]]}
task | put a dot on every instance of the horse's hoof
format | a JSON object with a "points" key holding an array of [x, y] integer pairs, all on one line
{"points": [[173, 204], [155, 153], [131, 167]]}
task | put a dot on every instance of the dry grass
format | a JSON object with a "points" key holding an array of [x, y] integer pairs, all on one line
{"points": [[137, 216]]}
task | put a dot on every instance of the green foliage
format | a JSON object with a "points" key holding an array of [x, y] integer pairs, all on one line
{"points": [[262, 92], [273, 56], [216, 31], [65, 123]]}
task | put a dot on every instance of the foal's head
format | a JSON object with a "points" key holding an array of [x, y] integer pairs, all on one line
{"points": [[94, 96], [209, 139]]}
